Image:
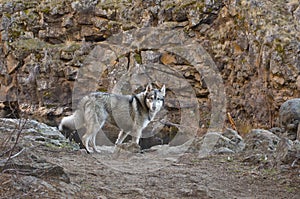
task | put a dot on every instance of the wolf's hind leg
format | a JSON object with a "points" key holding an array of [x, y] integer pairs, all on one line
{"points": [[85, 141], [96, 130], [121, 137], [88, 137]]}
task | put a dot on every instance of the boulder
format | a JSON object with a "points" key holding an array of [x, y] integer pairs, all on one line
{"points": [[289, 117], [228, 141], [287, 152], [285, 155], [235, 138], [262, 140], [31, 133], [24, 152]]}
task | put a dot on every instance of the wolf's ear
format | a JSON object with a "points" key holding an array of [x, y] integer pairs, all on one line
{"points": [[148, 88], [163, 90]]}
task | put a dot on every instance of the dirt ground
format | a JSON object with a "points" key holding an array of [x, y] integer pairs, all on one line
{"points": [[147, 175]]}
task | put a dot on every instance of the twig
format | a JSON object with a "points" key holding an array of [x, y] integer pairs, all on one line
{"points": [[20, 128], [11, 157], [231, 121], [294, 162], [298, 132]]}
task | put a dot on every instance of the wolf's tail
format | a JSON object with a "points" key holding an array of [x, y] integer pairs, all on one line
{"points": [[76, 120], [72, 122]]}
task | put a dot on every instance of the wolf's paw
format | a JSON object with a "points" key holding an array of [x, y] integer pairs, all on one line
{"points": [[89, 150], [97, 150], [117, 148], [130, 147]]}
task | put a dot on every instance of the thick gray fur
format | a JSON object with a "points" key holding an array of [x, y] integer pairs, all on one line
{"points": [[131, 113]]}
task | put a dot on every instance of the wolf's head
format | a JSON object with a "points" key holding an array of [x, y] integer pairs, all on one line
{"points": [[154, 98]]}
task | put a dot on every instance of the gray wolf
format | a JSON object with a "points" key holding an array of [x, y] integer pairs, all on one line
{"points": [[130, 113]]}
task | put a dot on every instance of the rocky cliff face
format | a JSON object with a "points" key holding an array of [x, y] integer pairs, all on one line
{"points": [[255, 45]]}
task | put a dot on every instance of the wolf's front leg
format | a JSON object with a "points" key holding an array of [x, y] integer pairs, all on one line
{"points": [[137, 136], [121, 137]]}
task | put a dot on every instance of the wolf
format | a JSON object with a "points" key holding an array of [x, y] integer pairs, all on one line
{"points": [[130, 113]]}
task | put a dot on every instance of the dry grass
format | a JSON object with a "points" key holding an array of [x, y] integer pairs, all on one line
{"points": [[244, 127]]}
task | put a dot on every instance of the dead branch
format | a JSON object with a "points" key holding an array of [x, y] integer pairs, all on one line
{"points": [[19, 128], [298, 132], [13, 156], [231, 121]]}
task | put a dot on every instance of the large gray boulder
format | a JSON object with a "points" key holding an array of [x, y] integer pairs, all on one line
{"points": [[33, 131], [261, 140], [228, 141], [289, 117], [28, 152]]}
